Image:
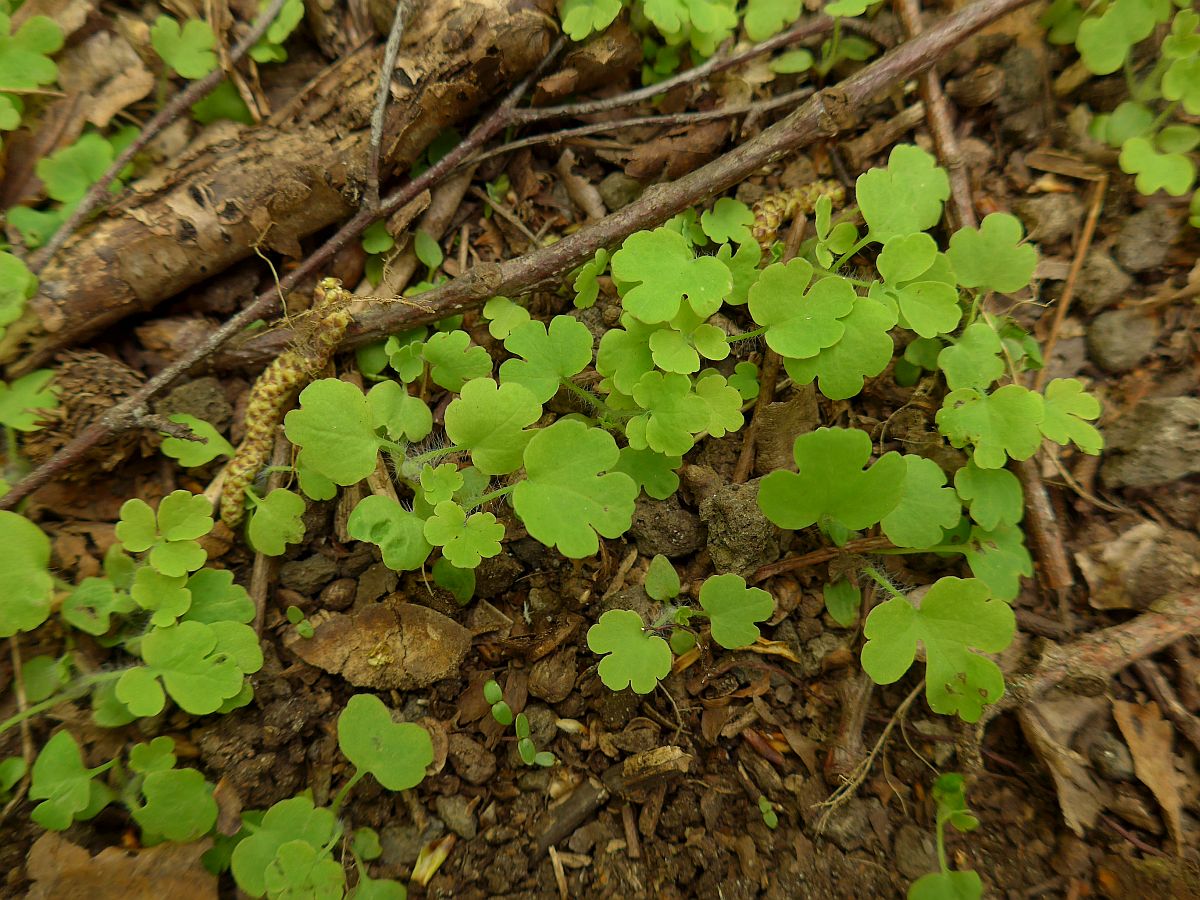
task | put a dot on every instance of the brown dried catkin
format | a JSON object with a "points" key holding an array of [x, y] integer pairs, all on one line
{"points": [[771, 211], [275, 390]]}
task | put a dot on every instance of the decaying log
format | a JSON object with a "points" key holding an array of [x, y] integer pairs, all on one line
{"points": [[239, 188]]}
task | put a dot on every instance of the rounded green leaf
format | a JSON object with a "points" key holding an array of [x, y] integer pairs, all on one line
{"points": [[634, 657], [831, 483], [956, 620], [993, 258], [401, 415], [659, 271], [904, 198], [187, 50], [1001, 425], [570, 493], [1067, 409], [395, 753], [799, 324], [465, 541], [196, 453], [489, 420], [548, 356], [733, 609], [863, 352], [926, 507], [179, 806], [334, 427], [24, 572], [453, 360], [399, 533], [276, 521], [993, 495]]}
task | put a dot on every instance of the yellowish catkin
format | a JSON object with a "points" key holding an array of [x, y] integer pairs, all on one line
{"points": [[771, 211], [275, 390]]}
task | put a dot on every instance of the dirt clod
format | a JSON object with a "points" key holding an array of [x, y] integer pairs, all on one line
{"points": [[1117, 341], [1156, 443]]}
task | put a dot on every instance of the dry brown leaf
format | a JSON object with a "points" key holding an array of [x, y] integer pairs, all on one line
{"points": [[673, 155], [1049, 726], [1150, 737], [107, 70], [61, 870]]}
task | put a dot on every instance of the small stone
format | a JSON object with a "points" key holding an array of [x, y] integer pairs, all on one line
{"points": [[338, 595], [374, 583], [552, 678], [1158, 442], [1117, 341], [401, 844], [847, 825], [496, 575], [471, 761], [456, 812], [915, 853], [1101, 282], [203, 398], [1050, 218], [309, 575], [1111, 757], [740, 537], [1146, 239], [617, 190], [664, 526]]}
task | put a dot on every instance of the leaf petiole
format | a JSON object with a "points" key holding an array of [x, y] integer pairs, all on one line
{"points": [[73, 691]]}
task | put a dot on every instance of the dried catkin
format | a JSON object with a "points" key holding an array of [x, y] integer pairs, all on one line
{"points": [[275, 390], [771, 211]]}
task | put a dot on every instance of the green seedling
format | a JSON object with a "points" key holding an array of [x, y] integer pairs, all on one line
{"points": [[501, 711], [288, 851], [304, 628], [770, 818], [948, 884], [638, 657], [529, 753]]}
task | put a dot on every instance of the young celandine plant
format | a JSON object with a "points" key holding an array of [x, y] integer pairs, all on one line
{"points": [[946, 883], [290, 849], [1158, 146], [637, 657]]}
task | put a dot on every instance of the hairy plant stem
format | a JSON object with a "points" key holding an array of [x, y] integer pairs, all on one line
{"points": [[74, 691], [345, 791], [495, 495]]}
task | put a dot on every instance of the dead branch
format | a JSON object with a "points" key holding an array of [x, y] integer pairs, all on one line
{"points": [[184, 100], [826, 115]]}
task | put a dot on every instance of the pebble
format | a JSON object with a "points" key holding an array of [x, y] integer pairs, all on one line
{"points": [[471, 761], [617, 190], [1158, 442], [915, 853], [740, 537], [664, 526], [1111, 757], [456, 812], [1146, 239], [1101, 282], [1050, 218], [309, 575], [1117, 341]]}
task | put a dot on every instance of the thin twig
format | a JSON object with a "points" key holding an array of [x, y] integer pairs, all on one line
{"points": [[14, 646], [1099, 188], [263, 570], [124, 415], [824, 116], [671, 121], [941, 124], [1160, 689], [404, 9], [814, 28], [1094, 658], [185, 99], [792, 563], [854, 780], [508, 216]]}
